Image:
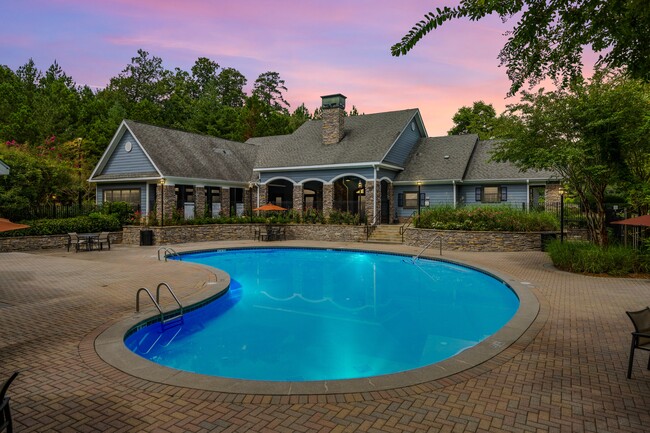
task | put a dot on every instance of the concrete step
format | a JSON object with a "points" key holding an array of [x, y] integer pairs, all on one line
{"points": [[386, 234]]}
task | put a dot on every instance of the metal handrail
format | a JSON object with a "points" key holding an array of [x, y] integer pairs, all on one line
{"points": [[168, 252], [371, 227], [406, 225], [180, 306], [137, 301], [437, 236], [156, 302]]}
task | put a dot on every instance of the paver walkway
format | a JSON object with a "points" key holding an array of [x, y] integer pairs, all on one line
{"points": [[568, 374]]}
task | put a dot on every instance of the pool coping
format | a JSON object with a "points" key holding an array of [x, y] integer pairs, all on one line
{"points": [[110, 347]]}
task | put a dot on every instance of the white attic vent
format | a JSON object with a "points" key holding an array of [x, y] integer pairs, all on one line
{"points": [[446, 156], [223, 151]]}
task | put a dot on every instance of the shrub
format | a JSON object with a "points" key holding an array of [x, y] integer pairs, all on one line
{"points": [[95, 222], [493, 218], [338, 217], [123, 211], [584, 257]]}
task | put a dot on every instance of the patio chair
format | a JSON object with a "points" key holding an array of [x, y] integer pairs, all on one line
{"points": [[5, 412], [103, 239], [641, 335], [74, 239]]}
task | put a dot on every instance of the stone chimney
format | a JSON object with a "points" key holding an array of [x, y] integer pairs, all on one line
{"points": [[333, 107]]}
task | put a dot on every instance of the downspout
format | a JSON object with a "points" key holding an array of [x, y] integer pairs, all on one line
{"points": [[453, 183], [527, 195], [259, 185], [374, 195]]}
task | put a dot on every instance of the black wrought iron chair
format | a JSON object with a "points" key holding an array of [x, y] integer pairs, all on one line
{"points": [[5, 412], [641, 335]]}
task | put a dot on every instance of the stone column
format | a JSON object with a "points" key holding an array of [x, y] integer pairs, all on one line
{"points": [[297, 198], [328, 199], [391, 202], [248, 200], [199, 201], [169, 204], [551, 196], [225, 201], [371, 201], [264, 194]]}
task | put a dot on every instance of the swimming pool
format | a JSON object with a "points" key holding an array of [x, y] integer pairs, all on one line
{"points": [[308, 314]]}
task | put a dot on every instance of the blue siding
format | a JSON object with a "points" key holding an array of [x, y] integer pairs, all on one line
{"points": [[383, 173], [122, 161], [516, 195], [325, 175], [403, 146], [437, 195], [141, 186]]}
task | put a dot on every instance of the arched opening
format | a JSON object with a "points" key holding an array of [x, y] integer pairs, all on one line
{"points": [[349, 195], [280, 192], [312, 195]]}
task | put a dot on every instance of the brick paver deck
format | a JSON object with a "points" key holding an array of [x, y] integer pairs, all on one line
{"points": [[567, 373]]}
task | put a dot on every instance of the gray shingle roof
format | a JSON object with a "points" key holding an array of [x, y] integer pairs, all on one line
{"points": [[184, 154], [428, 160], [367, 139], [481, 168]]}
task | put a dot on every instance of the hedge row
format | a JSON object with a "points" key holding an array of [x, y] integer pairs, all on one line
{"points": [[585, 257], [487, 218], [92, 223]]}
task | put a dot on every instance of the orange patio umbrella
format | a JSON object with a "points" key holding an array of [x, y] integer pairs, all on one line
{"points": [[6, 225], [643, 220], [270, 207]]}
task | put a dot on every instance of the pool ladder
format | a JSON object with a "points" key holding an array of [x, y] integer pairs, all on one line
{"points": [[164, 317], [439, 237], [168, 252]]}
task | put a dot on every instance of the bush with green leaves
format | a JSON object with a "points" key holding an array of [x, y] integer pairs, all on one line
{"points": [[339, 217], [486, 218], [93, 223], [585, 257], [123, 211]]}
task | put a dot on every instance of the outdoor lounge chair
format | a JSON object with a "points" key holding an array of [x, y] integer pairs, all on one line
{"points": [[641, 335], [103, 239], [5, 412], [74, 239]]}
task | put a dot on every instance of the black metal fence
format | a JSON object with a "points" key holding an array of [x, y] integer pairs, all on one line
{"points": [[56, 211]]}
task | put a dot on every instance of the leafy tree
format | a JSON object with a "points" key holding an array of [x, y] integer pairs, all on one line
{"points": [[354, 111], [144, 79], [268, 89], [549, 37], [230, 87], [205, 74], [594, 135], [56, 104], [480, 118], [34, 179]]}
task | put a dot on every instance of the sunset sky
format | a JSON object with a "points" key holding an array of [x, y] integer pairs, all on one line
{"points": [[317, 47]]}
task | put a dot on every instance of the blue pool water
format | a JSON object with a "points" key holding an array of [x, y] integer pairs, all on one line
{"points": [[302, 315]]}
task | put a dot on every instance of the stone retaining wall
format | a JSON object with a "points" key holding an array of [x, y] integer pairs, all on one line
{"points": [[452, 239], [31, 243], [223, 232], [459, 240]]}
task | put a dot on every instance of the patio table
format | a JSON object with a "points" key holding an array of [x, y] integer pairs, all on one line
{"points": [[90, 238]]}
